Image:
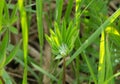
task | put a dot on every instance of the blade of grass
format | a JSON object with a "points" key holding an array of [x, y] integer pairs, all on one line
{"points": [[94, 35], [115, 75], [88, 64], [77, 22], [1, 12], [25, 36], [90, 68], [39, 11], [101, 67], [109, 70]]}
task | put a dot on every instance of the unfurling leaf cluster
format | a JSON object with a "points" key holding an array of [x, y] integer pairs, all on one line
{"points": [[62, 38]]}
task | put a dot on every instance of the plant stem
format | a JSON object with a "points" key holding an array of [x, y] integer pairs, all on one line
{"points": [[64, 70]]}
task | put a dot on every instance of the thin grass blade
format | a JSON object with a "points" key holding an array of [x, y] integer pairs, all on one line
{"points": [[109, 70], [39, 11], [25, 36], [101, 67], [113, 76]]}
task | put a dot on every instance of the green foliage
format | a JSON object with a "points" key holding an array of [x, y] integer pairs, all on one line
{"points": [[95, 34], [68, 11], [6, 27], [90, 38], [59, 6], [8, 20], [62, 39], [3, 50], [4, 59], [1, 11], [12, 53]]}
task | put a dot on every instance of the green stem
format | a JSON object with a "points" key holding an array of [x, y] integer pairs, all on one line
{"points": [[64, 70]]}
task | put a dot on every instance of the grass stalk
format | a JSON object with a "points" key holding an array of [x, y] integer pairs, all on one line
{"points": [[84, 56], [109, 70], [90, 68], [88, 64], [77, 22], [101, 67], [64, 70], [39, 11], [113, 76], [25, 37]]}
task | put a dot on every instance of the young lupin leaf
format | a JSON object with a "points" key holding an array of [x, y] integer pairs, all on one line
{"points": [[62, 38]]}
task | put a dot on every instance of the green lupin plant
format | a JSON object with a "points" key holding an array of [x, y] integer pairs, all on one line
{"points": [[62, 41]]}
